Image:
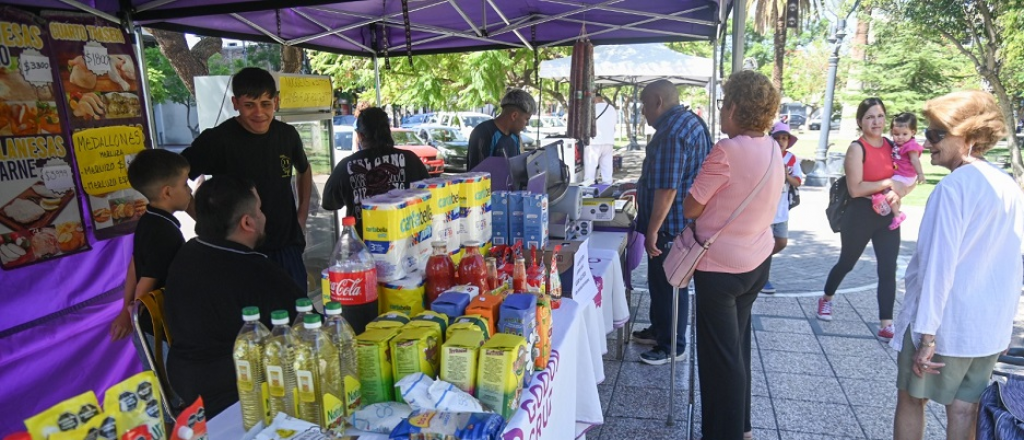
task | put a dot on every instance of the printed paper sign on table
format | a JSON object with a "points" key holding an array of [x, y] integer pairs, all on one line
{"points": [[40, 214]]}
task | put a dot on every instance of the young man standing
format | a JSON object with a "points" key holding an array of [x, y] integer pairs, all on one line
{"points": [[257, 147], [500, 136]]}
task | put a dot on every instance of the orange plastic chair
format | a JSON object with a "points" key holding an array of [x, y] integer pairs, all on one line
{"points": [[151, 305]]}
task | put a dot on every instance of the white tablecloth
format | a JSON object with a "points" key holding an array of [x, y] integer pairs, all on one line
{"points": [[561, 402]]}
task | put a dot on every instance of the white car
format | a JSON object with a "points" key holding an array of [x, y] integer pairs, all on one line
{"points": [[550, 125], [464, 121], [344, 142]]}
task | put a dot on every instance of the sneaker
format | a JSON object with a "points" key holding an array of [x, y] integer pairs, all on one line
{"points": [[880, 205], [886, 333], [658, 356], [824, 309], [897, 220], [645, 336], [768, 288]]}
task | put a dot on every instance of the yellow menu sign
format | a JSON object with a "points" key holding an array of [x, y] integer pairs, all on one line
{"points": [[305, 91], [102, 155]]}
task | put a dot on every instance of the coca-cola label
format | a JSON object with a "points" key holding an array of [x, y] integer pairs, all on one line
{"points": [[353, 288]]}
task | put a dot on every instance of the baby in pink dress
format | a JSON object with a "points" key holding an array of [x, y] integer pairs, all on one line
{"points": [[906, 157]]}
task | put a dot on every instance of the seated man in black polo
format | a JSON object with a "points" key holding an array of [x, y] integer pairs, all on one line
{"points": [[211, 279]]}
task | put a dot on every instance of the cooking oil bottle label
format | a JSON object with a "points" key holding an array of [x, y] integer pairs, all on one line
{"points": [[307, 388], [333, 410], [244, 371], [275, 380], [353, 395]]}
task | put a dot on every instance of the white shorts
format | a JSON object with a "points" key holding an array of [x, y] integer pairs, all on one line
{"points": [[905, 180]]}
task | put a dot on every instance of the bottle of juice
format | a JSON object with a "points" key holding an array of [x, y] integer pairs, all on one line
{"points": [[303, 307], [536, 274], [316, 375], [277, 363], [542, 349], [555, 280], [472, 269], [519, 284], [344, 341], [440, 271], [248, 355]]}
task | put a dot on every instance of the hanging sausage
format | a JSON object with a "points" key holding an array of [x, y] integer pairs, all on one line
{"points": [[581, 91]]}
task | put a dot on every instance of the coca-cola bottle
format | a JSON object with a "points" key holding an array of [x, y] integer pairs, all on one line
{"points": [[440, 271], [472, 269], [353, 277]]}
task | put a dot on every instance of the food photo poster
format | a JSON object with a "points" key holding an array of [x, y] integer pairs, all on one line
{"points": [[40, 212]]}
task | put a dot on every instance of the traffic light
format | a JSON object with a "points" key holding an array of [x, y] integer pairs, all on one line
{"points": [[792, 13]]}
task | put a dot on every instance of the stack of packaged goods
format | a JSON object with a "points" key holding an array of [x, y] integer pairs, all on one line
{"points": [[420, 224], [520, 217], [474, 191], [444, 209]]}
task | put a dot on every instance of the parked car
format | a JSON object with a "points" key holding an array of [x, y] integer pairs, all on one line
{"points": [[451, 145], [795, 120], [464, 121], [549, 126], [412, 121], [344, 142], [408, 140], [346, 120], [815, 123]]}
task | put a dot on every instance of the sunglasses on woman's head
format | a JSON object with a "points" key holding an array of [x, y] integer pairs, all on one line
{"points": [[935, 135]]}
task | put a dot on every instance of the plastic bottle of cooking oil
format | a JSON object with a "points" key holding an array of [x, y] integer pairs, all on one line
{"points": [[303, 307], [277, 363], [317, 376], [344, 341], [248, 356]]}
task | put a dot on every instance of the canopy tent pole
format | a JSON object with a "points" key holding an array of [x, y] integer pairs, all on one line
{"points": [[145, 98], [713, 90], [739, 18], [633, 144], [536, 79]]}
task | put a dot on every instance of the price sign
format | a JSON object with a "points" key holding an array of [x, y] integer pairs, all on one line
{"points": [[97, 59], [35, 68], [58, 177], [305, 91]]}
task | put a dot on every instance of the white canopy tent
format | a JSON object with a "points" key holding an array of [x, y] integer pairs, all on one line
{"points": [[637, 64]]}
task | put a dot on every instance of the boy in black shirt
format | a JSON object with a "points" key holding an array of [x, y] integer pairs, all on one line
{"points": [[254, 146], [500, 136], [161, 176]]}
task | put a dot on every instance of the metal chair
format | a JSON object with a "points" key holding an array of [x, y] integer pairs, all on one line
{"points": [[150, 309]]}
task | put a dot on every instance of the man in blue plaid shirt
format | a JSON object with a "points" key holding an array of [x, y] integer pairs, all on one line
{"points": [[674, 157]]}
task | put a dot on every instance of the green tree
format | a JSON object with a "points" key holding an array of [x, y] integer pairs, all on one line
{"points": [[166, 86], [977, 28], [906, 69], [772, 14]]}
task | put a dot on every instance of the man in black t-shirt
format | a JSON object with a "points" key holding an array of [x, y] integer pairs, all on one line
{"points": [[500, 136], [211, 279], [375, 169], [257, 147]]}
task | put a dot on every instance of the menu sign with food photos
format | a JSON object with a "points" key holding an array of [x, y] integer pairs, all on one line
{"points": [[100, 86], [40, 214]]}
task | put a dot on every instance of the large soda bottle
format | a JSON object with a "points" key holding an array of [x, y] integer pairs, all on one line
{"points": [[317, 372], [248, 355], [303, 307], [344, 341], [440, 271], [353, 277], [472, 269], [277, 363]]}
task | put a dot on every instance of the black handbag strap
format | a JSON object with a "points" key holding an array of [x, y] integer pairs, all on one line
{"points": [[747, 200]]}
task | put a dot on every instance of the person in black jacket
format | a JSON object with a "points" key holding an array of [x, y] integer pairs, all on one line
{"points": [[500, 136], [211, 279]]}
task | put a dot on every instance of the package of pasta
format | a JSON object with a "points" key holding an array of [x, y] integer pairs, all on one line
{"points": [[101, 427], [427, 424], [64, 416], [137, 401]]}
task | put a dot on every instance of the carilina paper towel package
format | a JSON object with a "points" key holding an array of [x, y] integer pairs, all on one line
{"points": [[499, 217], [475, 207], [387, 234], [444, 208], [535, 224], [421, 229]]}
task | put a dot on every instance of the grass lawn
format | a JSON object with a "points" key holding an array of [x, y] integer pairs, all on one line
{"points": [[808, 143]]}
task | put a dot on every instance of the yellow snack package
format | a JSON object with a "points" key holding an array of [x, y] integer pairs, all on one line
{"points": [[138, 402], [404, 295], [482, 321], [389, 320], [64, 416], [459, 359], [373, 358], [429, 319], [465, 326], [415, 350], [101, 427], [500, 372]]}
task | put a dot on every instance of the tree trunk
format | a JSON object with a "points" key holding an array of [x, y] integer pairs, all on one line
{"points": [[187, 63], [780, 44], [858, 55], [291, 59], [1006, 104]]}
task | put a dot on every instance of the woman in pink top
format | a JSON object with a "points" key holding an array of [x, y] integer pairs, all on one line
{"points": [[735, 268]]}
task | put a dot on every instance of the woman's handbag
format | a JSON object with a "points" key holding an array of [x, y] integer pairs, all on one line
{"points": [[687, 250]]}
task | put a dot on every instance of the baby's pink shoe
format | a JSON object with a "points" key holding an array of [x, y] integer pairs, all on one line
{"points": [[897, 220]]}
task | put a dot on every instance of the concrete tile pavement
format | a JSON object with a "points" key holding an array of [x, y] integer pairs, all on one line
{"points": [[810, 379]]}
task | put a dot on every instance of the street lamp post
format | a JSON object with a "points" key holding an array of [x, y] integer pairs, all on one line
{"points": [[819, 175]]}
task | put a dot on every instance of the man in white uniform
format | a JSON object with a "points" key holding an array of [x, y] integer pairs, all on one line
{"points": [[601, 146]]}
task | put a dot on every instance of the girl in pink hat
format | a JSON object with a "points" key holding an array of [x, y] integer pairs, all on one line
{"points": [[794, 178]]}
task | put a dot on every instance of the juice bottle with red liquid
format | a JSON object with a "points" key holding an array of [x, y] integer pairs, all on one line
{"points": [[472, 269], [519, 284], [492, 274], [536, 274], [440, 272]]}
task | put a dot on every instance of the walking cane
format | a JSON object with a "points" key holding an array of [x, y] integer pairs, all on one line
{"points": [[672, 359], [693, 362]]}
